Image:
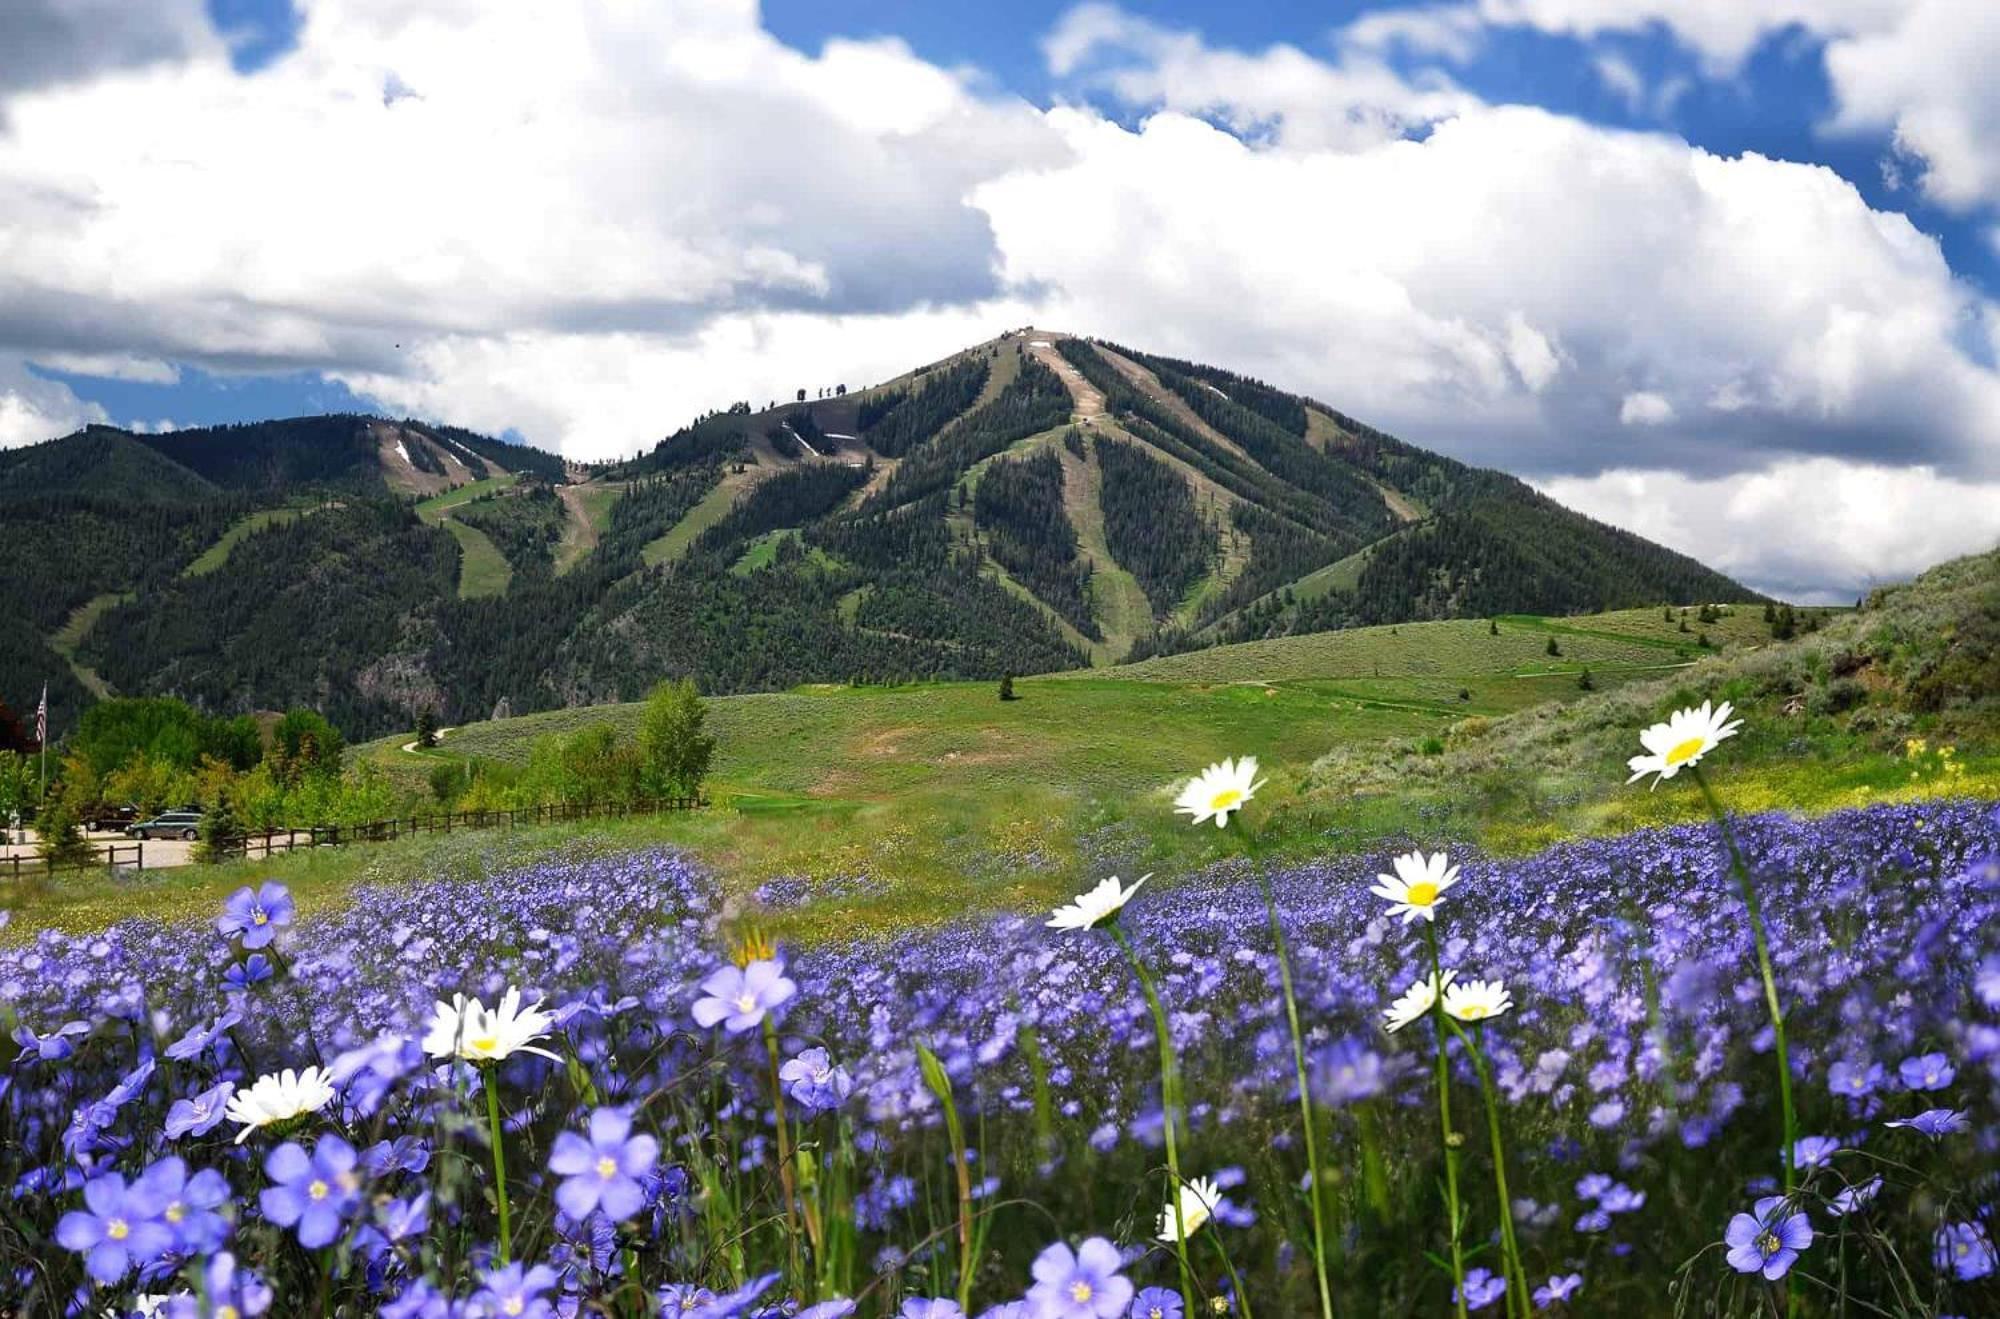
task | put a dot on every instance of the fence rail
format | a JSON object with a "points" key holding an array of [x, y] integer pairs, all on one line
{"points": [[116, 857]]}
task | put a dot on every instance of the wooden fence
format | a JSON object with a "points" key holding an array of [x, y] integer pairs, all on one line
{"points": [[273, 842]]}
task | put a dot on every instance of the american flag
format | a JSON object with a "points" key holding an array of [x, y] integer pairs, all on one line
{"points": [[42, 718]]}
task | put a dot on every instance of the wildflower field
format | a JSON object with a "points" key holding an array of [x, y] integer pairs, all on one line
{"points": [[1736, 1067]]}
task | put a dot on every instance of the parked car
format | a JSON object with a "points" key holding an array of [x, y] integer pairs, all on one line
{"points": [[112, 819], [169, 824]]}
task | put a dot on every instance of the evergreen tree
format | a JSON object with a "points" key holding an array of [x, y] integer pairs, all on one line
{"points": [[427, 729], [1007, 687]]}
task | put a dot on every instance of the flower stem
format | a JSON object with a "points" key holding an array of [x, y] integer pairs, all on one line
{"points": [[1170, 1102], [1444, 1124], [1316, 1198], [505, 1245], [1510, 1247], [1749, 891], [787, 1175]]}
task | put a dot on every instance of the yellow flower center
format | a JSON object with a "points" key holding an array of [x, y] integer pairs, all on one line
{"points": [[1769, 1243], [1683, 752], [1472, 1011], [117, 1229], [607, 1167], [257, 917], [319, 1190], [746, 1002], [514, 1305], [1421, 894], [1080, 1291], [1225, 799], [176, 1212], [228, 1312], [484, 1044]]}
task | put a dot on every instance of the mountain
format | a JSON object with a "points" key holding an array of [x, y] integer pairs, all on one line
{"points": [[1032, 503]]}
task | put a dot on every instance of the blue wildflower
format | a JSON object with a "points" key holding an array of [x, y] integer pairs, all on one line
{"points": [[1929, 1071], [1079, 1284], [201, 1114], [814, 1082], [739, 997], [257, 916], [1965, 1250], [1482, 1288], [603, 1171], [516, 1291], [1157, 1303], [188, 1204], [1768, 1240], [1557, 1289], [312, 1192], [118, 1227]]}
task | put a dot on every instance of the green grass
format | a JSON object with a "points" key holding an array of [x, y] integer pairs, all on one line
{"points": [[1116, 599], [482, 569], [218, 554], [714, 506], [432, 510], [594, 501], [75, 628]]}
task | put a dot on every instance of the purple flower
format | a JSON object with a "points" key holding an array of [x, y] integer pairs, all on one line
{"points": [[516, 1291], [119, 1226], [1813, 1152], [1593, 1185], [1079, 1284], [1157, 1303], [256, 916], [53, 1047], [1929, 1071], [1346, 1073], [1964, 1249], [200, 1115], [603, 1172], [230, 1292], [813, 1081], [1936, 1123], [202, 1038], [1851, 1198], [1556, 1289], [1768, 1240], [188, 1204], [314, 1192], [834, 1309], [1854, 1080], [252, 970], [1482, 1288], [1618, 1198], [918, 1308], [738, 998]]}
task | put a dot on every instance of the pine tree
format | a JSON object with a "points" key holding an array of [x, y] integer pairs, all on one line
{"points": [[1007, 687], [1553, 648]]}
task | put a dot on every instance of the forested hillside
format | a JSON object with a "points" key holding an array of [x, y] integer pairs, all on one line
{"points": [[1033, 503]]}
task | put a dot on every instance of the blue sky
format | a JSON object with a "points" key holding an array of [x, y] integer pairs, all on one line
{"points": [[1726, 272]]}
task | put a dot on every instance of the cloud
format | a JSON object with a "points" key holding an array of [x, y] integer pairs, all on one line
{"points": [[1918, 69], [1355, 101], [1501, 289], [46, 43], [34, 409], [408, 182], [1645, 408], [1816, 531]]}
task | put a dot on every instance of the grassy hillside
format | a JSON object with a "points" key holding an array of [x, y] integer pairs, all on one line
{"points": [[901, 804]]}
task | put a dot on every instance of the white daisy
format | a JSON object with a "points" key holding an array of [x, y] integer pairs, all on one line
{"points": [[1199, 1198], [1094, 908], [1417, 885], [1218, 790], [1681, 741], [289, 1094], [1417, 1000], [464, 1028], [1477, 1000]]}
